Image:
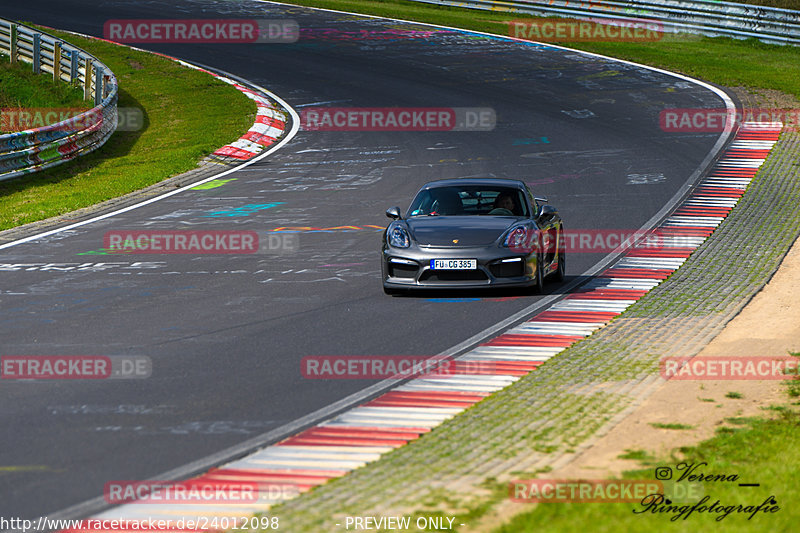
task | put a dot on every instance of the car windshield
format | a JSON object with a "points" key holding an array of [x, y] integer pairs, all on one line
{"points": [[464, 200]]}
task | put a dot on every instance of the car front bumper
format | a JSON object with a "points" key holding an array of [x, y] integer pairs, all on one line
{"points": [[410, 268]]}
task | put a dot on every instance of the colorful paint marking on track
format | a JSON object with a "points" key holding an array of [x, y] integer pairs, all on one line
{"points": [[363, 433], [213, 184], [312, 229]]}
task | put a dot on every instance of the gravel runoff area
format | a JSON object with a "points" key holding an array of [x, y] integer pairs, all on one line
{"points": [[546, 419]]}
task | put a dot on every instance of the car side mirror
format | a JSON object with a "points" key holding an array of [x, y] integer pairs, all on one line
{"points": [[547, 211], [393, 213]]}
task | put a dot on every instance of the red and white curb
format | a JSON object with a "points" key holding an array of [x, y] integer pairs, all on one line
{"points": [[269, 126], [266, 130], [271, 118], [362, 434]]}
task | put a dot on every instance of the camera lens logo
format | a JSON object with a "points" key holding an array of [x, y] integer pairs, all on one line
{"points": [[663, 472]]}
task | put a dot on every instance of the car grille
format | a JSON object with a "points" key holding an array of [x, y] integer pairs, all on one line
{"points": [[453, 275], [398, 270], [508, 270]]}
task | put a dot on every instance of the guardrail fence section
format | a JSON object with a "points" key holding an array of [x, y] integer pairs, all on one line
{"points": [[65, 134], [768, 24]]}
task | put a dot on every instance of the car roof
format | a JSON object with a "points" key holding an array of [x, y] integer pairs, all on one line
{"points": [[500, 182]]}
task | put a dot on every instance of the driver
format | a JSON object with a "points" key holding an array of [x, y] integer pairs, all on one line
{"points": [[503, 204]]}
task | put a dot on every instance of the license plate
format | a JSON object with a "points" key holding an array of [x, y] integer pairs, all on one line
{"points": [[454, 264]]}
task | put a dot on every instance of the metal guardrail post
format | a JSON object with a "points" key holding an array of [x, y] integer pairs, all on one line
{"points": [[57, 61], [87, 79], [98, 85], [13, 37], [37, 53], [73, 67]]}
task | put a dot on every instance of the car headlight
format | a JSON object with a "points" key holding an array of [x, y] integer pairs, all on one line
{"points": [[519, 239], [398, 237]]}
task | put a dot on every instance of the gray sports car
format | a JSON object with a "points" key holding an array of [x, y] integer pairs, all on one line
{"points": [[472, 233]]}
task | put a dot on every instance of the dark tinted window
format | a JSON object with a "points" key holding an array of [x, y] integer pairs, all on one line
{"points": [[469, 200]]}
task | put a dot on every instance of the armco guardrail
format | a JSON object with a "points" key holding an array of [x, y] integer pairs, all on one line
{"points": [[772, 25], [35, 149]]}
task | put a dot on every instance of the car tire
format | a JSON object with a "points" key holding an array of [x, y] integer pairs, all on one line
{"points": [[561, 272], [538, 286]]}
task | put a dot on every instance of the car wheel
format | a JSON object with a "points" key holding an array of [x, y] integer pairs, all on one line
{"points": [[561, 271], [538, 286]]}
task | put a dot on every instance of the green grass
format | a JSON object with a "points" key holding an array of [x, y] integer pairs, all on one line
{"points": [[659, 425], [730, 62], [187, 115], [20, 87], [749, 452], [734, 395]]}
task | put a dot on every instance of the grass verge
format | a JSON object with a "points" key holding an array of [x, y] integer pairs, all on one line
{"points": [[20, 87], [761, 450], [187, 115]]}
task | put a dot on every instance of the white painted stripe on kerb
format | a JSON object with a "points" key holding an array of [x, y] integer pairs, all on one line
{"points": [[421, 385], [490, 357], [752, 145], [712, 202], [727, 180], [653, 263], [554, 328], [706, 222], [741, 163], [760, 126], [624, 283], [300, 463], [534, 353], [592, 305], [354, 453]]}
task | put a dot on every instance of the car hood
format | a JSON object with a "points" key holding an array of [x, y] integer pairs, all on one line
{"points": [[467, 230]]}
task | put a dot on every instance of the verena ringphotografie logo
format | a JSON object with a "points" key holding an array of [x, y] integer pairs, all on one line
{"points": [[23, 367], [600, 490], [202, 31], [729, 368], [193, 491], [397, 119], [598, 30], [67, 119], [390, 367], [715, 119], [198, 242]]}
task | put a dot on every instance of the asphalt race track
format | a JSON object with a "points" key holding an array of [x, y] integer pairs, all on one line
{"points": [[226, 333]]}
